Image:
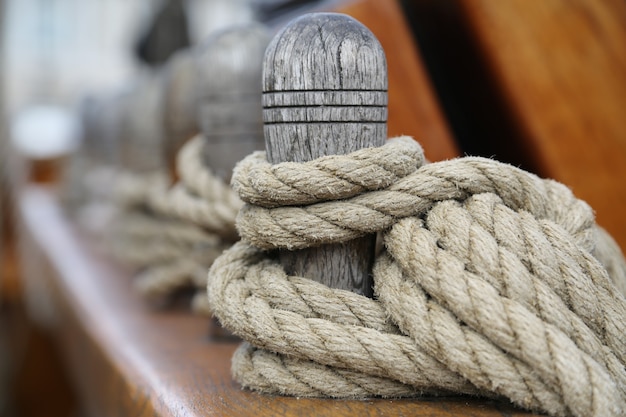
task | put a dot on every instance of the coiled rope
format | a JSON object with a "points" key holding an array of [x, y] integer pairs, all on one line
{"points": [[490, 284], [172, 235]]}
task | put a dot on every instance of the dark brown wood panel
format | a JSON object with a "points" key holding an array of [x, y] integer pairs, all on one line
{"points": [[560, 66], [413, 107]]}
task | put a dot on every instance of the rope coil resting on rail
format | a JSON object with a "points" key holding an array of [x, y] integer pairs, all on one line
{"points": [[173, 234], [490, 284]]}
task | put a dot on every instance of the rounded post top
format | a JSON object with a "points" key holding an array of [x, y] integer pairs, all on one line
{"points": [[228, 92], [88, 120], [100, 117], [324, 51], [229, 72]]}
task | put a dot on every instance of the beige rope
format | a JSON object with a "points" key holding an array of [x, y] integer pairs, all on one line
{"points": [[491, 284], [609, 254], [171, 235], [167, 254], [350, 340], [200, 197], [336, 177]]}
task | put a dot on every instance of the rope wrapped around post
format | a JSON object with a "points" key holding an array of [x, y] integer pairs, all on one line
{"points": [[186, 227], [219, 81], [489, 284]]}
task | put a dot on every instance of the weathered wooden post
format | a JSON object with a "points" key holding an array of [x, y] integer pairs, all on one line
{"points": [[229, 112], [142, 130], [325, 92], [179, 100], [229, 95], [99, 117], [73, 192]]}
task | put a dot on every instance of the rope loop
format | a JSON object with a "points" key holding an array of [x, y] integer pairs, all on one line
{"points": [[172, 234], [321, 222], [200, 197], [330, 177], [490, 283]]}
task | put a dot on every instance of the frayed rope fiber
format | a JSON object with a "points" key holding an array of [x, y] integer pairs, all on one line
{"points": [[490, 283]]}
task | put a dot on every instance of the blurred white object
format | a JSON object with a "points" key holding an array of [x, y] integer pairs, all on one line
{"points": [[45, 132], [55, 50], [207, 16]]}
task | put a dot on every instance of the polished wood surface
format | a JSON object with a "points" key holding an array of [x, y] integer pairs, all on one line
{"points": [[128, 360], [36, 381], [560, 66]]}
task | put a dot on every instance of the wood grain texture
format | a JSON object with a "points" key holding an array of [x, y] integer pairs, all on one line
{"points": [[325, 93], [561, 68], [127, 360], [413, 106], [228, 88]]}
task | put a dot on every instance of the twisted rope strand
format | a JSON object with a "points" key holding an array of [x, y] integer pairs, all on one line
{"points": [[440, 334], [331, 177], [515, 276], [313, 300], [198, 178], [340, 221], [491, 283], [173, 234], [336, 344], [200, 197], [168, 254], [260, 369], [506, 323]]}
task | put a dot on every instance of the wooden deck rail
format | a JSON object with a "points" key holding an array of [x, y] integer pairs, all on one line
{"points": [[128, 360]]}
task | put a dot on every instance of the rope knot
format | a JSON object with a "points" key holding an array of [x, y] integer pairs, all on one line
{"points": [[489, 284]]}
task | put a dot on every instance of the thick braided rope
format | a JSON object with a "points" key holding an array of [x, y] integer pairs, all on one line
{"points": [[130, 190], [295, 318], [328, 178], [200, 197], [168, 254], [489, 276], [340, 221], [171, 235]]}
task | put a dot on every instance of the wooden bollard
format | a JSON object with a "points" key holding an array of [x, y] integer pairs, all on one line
{"points": [[179, 100], [102, 130], [229, 108], [99, 117], [324, 93], [142, 131], [74, 193], [229, 95], [112, 127]]}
